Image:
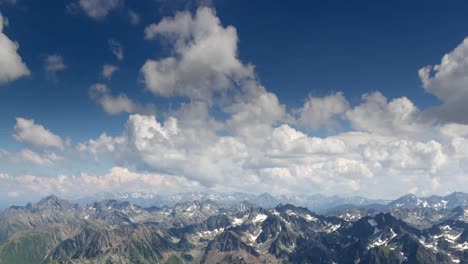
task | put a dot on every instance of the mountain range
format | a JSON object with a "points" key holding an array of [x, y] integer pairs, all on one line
{"points": [[315, 202], [208, 230]]}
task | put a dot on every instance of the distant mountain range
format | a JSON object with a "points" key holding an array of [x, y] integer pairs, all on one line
{"points": [[316, 202], [221, 230], [421, 212]]}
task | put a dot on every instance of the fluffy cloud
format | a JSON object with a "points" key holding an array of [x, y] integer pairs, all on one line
{"points": [[378, 115], [54, 63], [108, 71], [253, 143], [284, 159], [389, 150], [102, 144], [28, 156], [96, 9], [286, 141], [205, 57], [114, 105], [206, 65], [43, 159], [455, 130], [12, 66], [254, 113], [408, 156], [28, 132], [457, 135], [448, 81], [165, 147], [319, 112], [116, 49]]}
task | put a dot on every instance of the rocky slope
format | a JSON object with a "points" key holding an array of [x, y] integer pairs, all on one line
{"points": [[57, 231]]}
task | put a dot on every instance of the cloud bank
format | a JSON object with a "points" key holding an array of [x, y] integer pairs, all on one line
{"points": [[230, 133], [386, 146]]}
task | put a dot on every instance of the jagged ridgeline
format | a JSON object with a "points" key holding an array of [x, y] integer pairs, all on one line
{"points": [[407, 230]]}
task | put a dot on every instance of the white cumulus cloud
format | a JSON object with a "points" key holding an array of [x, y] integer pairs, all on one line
{"points": [[28, 132], [376, 114], [12, 66], [44, 159], [389, 148], [114, 105], [234, 134], [205, 57], [108, 70], [320, 112], [448, 81]]}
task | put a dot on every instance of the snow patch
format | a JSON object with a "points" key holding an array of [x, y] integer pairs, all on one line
{"points": [[379, 241], [210, 233], [311, 218], [332, 228], [253, 237], [259, 218], [237, 221], [423, 203], [290, 213], [446, 228], [372, 222], [462, 247]]}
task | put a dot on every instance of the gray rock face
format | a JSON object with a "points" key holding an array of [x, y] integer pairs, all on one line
{"points": [[58, 231]]}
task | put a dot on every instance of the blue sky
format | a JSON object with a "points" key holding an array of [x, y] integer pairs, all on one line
{"points": [[311, 75]]}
